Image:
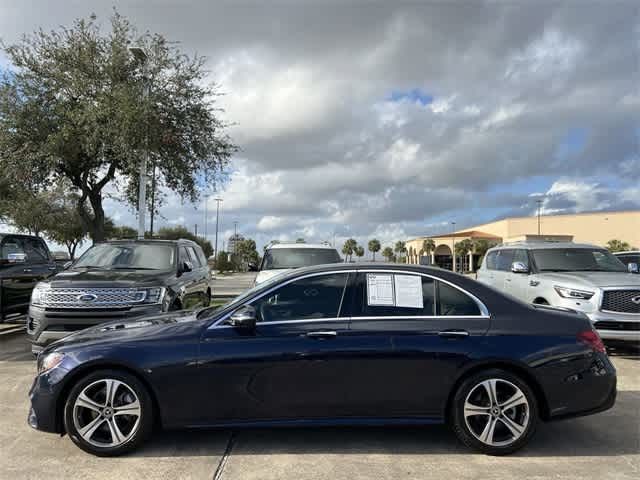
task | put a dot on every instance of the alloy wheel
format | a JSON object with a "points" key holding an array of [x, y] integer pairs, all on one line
{"points": [[107, 413], [496, 412]]}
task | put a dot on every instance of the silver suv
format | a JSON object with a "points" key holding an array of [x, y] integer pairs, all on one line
{"points": [[577, 276]]}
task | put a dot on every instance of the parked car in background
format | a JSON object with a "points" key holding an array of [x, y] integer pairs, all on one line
{"points": [[116, 280], [580, 277], [280, 257], [61, 258], [24, 261], [630, 259], [345, 344]]}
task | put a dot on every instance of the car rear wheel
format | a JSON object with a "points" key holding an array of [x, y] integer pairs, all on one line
{"points": [[108, 413], [494, 412]]}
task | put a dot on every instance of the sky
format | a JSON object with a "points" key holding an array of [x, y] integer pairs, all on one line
{"points": [[392, 120]]}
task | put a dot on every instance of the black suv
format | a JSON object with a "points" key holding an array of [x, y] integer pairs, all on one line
{"points": [[24, 260], [116, 280]]}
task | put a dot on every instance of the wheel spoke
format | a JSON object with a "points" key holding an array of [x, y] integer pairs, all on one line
{"points": [[132, 408], [490, 387], [515, 428], [84, 401], [87, 431], [470, 410], [111, 387], [487, 433], [518, 398], [117, 437]]}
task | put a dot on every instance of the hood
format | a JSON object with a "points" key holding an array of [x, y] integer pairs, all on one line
{"points": [[593, 279], [159, 327], [264, 275], [87, 277]]}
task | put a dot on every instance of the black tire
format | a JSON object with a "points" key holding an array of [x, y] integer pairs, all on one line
{"points": [[463, 429], [137, 434]]}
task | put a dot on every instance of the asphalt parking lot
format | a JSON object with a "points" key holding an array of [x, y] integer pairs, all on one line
{"points": [[604, 446]]}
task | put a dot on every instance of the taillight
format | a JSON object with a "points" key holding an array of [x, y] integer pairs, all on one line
{"points": [[591, 338]]}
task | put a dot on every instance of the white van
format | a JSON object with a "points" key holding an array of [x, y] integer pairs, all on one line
{"points": [[282, 257]]}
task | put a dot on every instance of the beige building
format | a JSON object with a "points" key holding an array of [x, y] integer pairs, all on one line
{"points": [[595, 228]]}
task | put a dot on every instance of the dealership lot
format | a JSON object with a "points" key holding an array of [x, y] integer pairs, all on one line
{"points": [[605, 446]]}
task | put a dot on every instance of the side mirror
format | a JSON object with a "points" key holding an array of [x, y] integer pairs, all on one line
{"points": [[633, 268], [186, 267], [519, 267], [67, 265], [244, 317]]}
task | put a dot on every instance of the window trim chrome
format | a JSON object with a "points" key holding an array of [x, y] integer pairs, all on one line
{"points": [[484, 311]]}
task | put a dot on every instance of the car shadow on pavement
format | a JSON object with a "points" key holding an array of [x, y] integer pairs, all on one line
{"points": [[612, 433]]}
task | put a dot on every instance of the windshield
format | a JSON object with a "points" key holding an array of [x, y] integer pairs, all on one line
{"points": [[298, 257], [115, 256], [576, 260]]}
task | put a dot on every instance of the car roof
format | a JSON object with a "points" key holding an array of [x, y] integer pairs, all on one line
{"points": [[544, 245], [153, 240], [277, 246], [23, 235], [633, 252]]}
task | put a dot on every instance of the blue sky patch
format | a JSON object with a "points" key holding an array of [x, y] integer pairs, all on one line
{"points": [[415, 95]]}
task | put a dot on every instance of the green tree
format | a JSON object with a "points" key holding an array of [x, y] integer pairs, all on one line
{"points": [[30, 212], [222, 262], [374, 247], [115, 232], [247, 253], [79, 106], [480, 247], [618, 246], [300, 240], [387, 253], [400, 248], [67, 227], [359, 251], [463, 248], [174, 233]]}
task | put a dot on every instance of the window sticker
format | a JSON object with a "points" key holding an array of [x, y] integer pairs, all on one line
{"points": [[380, 289], [408, 290]]}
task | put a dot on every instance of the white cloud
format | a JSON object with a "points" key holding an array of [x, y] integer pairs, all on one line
{"points": [[270, 222]]}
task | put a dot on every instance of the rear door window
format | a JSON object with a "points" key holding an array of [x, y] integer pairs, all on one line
{"points": [[36, 250], [394, 295], [504, 260], [454, 302]]}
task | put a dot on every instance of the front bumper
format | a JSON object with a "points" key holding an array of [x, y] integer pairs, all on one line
{"points": [[45, 326], [616, 326], [44, 411]]}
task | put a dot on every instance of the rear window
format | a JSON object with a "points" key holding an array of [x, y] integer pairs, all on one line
{"points": [[277, 258]]}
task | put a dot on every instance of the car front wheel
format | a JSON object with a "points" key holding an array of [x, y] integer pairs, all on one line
{"points": [[494, 412], [108, 413]]}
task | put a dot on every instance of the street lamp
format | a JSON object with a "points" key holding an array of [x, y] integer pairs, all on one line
{"points": [[215, 252], [453, 247], [142, 58]]}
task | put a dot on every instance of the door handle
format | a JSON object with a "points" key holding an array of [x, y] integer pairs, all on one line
{"points": [[52, 268], [322, 334], [27, 270], [453, 333]]}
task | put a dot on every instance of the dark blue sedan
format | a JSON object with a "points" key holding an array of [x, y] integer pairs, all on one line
{"points": [[364, 344]]}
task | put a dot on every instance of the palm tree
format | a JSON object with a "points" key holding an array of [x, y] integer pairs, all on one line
{"points": [[374, 246], [400, 248], [428, 246], [387, 253], [463, 248], [359, 251], [347, 251], [480, 247]]}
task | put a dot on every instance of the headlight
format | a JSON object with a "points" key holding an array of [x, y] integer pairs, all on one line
{"points": [[38, 295], [566, 292], [49, 361], [151, 295]]}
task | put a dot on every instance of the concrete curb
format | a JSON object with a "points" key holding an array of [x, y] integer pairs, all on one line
{"points": [[12, 330]]}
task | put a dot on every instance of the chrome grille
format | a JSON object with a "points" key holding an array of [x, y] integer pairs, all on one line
{"points": [[620, 301], [92, 297]]}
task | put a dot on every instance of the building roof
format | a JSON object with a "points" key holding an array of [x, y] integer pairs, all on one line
{"points": [[466, 233]]}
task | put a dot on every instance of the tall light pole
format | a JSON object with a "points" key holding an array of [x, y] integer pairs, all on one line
{"points": [[453, 247], [141, 57], [235, 237], [539, 202], [215, 252]]}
